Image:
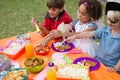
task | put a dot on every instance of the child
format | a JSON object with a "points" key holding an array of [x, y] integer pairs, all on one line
{"points": [[109, 52], [89, 11], [56, 14]]}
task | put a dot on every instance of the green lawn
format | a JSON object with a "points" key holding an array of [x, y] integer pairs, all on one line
{"points": [[15, 15]]}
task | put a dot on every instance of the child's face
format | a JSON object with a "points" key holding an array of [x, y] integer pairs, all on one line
{"points": [[113, 19], [54, 12], [83, 15], [113, 25]]}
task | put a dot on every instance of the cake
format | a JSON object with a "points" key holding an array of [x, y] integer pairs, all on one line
{"points": [[5, 63], [73, 72]]}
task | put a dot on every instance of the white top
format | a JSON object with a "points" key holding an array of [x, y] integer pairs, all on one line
{"points": [[88, 45]]}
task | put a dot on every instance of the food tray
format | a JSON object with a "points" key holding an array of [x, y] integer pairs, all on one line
{"points": [[16, 54]]}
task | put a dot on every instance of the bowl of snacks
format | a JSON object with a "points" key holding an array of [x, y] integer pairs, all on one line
{"points": [[17, 73], [40, 51], [34, 64]]}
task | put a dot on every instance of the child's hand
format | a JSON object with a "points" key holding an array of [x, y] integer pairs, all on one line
{"points": [[34, 21], [70, 39], [55, 33], [113, 69], [43, 42]]}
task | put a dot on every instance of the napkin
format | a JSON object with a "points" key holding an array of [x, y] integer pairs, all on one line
{"points": [[75, 52], [42, 74]]}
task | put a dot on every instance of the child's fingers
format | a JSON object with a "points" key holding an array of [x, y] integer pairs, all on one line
{"points": [[34, 21], [110, 69], [68, 40]]}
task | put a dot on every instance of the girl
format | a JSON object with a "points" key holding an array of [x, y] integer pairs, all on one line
{"points": [[89, 11], [109, 52]]}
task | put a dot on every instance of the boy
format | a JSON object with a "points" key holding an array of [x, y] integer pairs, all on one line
{"points": [[55, 16]]}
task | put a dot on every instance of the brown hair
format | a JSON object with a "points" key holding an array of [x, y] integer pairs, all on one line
{"points": [[94, 8], [55, 3]]}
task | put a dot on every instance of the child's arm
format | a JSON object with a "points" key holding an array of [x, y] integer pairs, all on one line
{"points": [[45, 40], [90, 29], [79, 35], [43, 30]]}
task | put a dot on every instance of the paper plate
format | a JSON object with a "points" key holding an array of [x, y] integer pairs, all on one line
{"points": [[65, 50], [87, 58]]}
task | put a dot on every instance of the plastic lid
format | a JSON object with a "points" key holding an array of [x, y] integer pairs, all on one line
{"points": [[50, 64]]}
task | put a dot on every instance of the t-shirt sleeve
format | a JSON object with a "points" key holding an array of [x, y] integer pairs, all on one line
{"points": [[92, 24], [74, 22], [98, 33]]}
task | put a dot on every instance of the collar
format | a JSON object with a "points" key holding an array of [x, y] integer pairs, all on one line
{"points": [[109, 31], [58, 18]]}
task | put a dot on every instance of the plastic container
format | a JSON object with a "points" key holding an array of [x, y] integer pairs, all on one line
{"points": [[16, 53], [29, 52], [51, 73]]}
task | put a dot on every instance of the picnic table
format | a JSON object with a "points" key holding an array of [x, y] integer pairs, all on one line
{"points": [[100, 74]]}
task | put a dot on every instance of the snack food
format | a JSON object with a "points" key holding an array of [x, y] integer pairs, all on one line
{"points": [[40, 51], [5, 63], [89, 63], [16, 74], [73, 72], [34, 64], [61, 46]]}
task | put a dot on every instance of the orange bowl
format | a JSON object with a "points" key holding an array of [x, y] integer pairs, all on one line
{"points": [[40, 51]]}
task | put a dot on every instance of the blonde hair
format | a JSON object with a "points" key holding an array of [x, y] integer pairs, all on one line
{"points": [[113, 16]]}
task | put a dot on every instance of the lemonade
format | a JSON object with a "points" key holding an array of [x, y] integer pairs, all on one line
{"points": [[51, 73]]}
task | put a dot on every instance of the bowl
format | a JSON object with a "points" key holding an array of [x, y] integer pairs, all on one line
{"points": [[16, 73], [34, 64], [40, 51]]}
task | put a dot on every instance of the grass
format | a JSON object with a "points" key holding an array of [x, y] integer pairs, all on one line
{"points": [[15, 15]]}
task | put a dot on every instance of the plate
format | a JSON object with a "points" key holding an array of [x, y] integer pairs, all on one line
{"points": [[90, 59], [65, 50]]}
